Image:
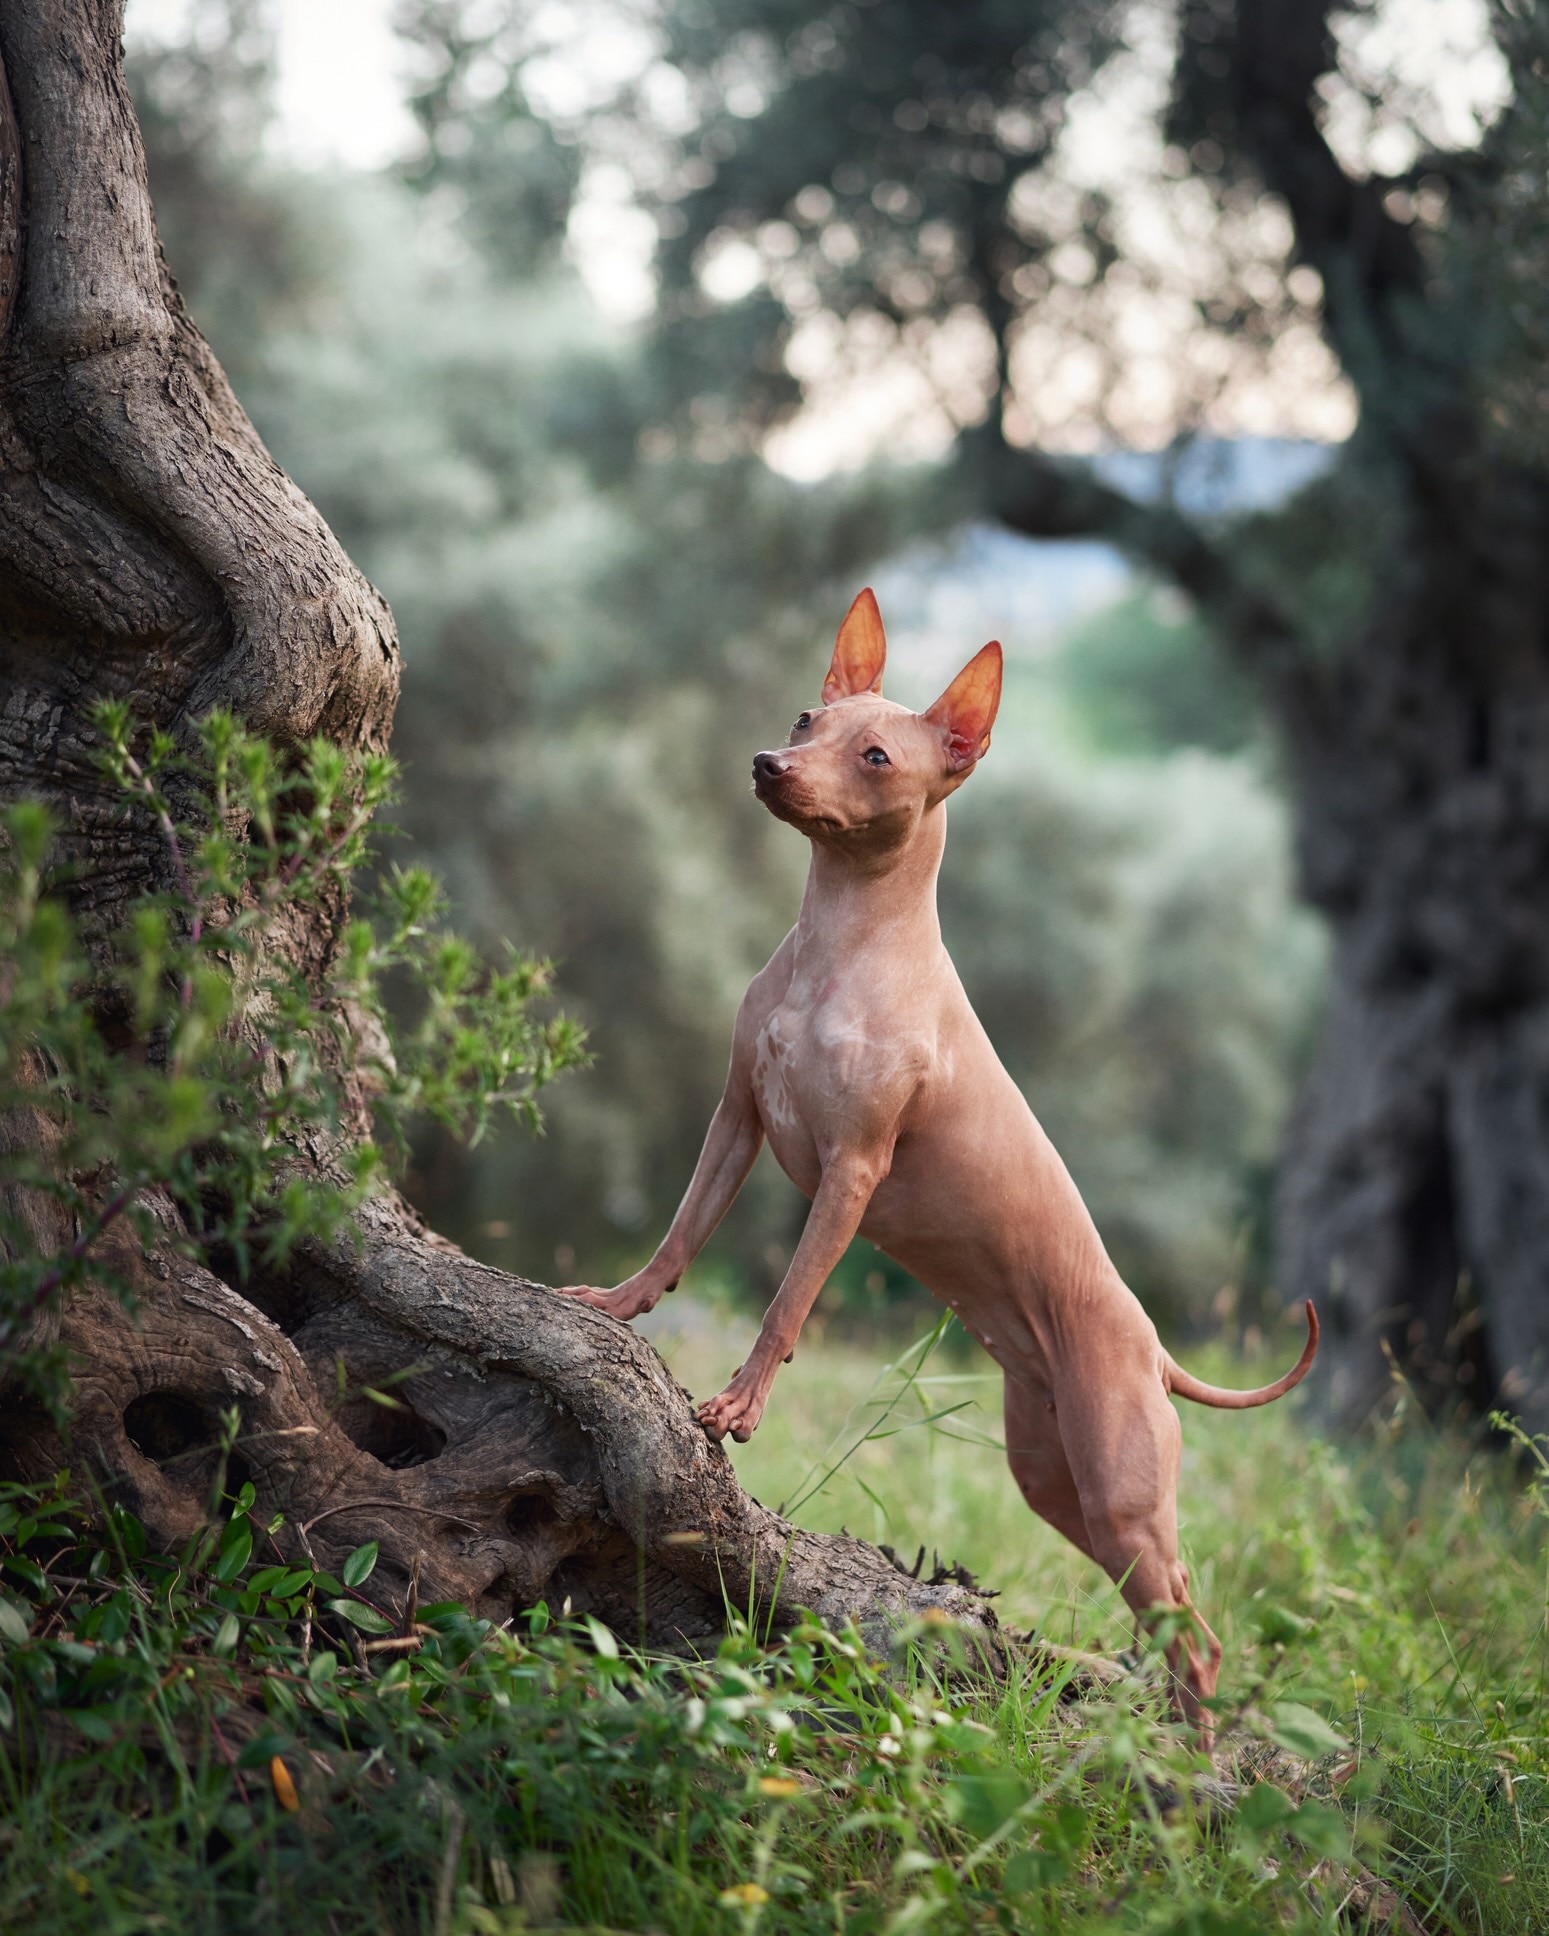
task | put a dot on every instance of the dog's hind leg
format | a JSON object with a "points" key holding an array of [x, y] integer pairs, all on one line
{"points": [[1036, 1456], [1124, 1450]]}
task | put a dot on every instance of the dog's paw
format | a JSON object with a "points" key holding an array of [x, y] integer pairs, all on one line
{"points": [[736, 1410], [622, 1303]]}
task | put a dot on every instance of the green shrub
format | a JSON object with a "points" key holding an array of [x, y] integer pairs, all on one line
{"points": [[192, 1052]]}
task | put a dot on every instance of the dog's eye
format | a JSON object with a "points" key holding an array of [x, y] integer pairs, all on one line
{"points": [[874, 756], [802, 723]]}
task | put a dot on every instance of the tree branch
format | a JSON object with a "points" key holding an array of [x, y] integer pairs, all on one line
{"points": [[1366, 258], [1048, 497]]}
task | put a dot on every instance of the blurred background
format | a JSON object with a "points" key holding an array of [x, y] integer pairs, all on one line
{"points": [[622, 342]]}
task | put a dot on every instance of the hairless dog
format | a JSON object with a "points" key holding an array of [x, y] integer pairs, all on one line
{"points": [[857, 1055]]}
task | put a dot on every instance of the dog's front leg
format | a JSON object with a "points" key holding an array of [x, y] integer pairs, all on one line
{"points": [[732, 1143], [837, 1208]]}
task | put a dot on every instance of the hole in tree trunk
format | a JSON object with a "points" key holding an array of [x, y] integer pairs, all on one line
{"points": [[626, 1592], [167, 1426], [284, 1297], [182, 1435], [394, 1434], [529, 1513]]}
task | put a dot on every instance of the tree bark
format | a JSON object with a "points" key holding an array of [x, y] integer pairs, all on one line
{"points": [[151, 549], [1414, 1190]]}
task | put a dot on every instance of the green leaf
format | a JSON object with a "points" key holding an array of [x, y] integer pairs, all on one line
{"points": [[1279, 1626], [983, 1803], [281, 1581], [13, 1623], [1212, 1922], [1033, 1869], [602, 1638], [1322, 1829], [360, 1615], [236, 1551], [92, 1723], [128, 1531], [453, 1610], [358, 1567], [227, 1636], [7, 1712], [1065, 1827], [1301, 1732], [1264, 1806]]}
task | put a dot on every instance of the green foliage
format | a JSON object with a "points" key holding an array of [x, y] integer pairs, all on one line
{"points": [[1392, 1591], [194, 1699], [251, 256], [884, 165], [1143, 677], [1499, 255], [507, 170], [199, 1046]]}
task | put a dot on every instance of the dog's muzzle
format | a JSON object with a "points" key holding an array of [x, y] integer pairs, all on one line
{"points": [[769, 769]]}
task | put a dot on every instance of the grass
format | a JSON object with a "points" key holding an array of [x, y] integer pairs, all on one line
{"points": [[197, 1742]]}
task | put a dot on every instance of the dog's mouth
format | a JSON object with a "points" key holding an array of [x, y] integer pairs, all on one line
{"points": [[785, 804], [772, 794]]}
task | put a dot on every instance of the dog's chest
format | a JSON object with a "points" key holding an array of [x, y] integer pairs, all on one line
{"points": [[773, 1072], [779, 1088], [825, 1070]]}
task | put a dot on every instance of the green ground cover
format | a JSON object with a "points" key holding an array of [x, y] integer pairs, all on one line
{"points": [[200, 1742]]}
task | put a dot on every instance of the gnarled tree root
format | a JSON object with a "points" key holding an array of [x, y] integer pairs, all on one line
{"points": [[535, 1450]]}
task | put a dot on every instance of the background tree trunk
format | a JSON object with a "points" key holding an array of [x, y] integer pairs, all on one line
{"points": [[151, 549], [1414, 1193], [1414, 1189]]}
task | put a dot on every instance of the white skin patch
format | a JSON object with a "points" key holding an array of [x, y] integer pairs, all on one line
{"points": [[769, 1079]]}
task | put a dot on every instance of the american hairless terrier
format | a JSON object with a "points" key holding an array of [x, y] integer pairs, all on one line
{"points": [[857, 1054]]}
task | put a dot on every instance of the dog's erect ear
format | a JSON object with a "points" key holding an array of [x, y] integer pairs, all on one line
{"points": [[965, 712], [860, 652]]}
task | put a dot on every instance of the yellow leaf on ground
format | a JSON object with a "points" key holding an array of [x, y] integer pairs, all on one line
{"points": [[284, 1787]]}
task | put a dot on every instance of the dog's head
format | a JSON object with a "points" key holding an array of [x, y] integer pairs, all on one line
{"points": [[860, 765]]}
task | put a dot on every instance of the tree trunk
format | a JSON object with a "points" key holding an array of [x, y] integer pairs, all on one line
{"points": [[151, 549], [1414, 1193]]}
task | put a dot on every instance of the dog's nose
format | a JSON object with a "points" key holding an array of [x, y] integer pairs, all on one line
{"points": [[768, 766]]}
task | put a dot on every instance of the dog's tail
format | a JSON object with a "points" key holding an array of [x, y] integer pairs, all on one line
{"points": [[1179, 1381]]}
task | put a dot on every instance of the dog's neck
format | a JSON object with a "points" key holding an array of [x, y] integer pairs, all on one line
{"points": [[855, 894]]}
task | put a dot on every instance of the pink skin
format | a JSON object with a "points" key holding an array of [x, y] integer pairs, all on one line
{"points": [[857, 1055]]}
